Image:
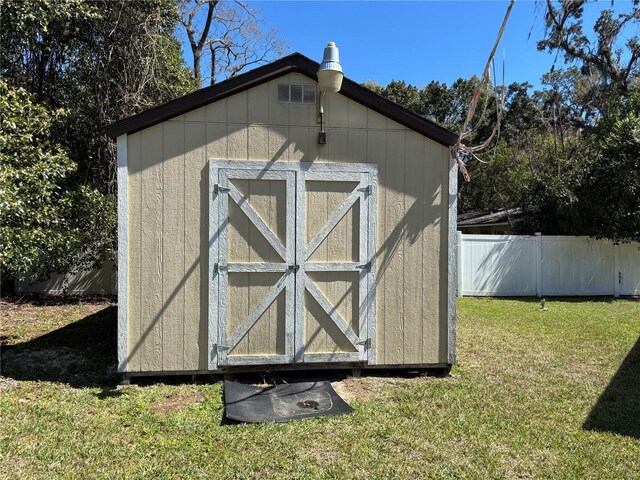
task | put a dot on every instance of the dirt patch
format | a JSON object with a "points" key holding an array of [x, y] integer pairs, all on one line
{"points": [[365, 388], [176, 402], [361, 389]]}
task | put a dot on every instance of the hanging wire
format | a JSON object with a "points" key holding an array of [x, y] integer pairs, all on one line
{"points": [[461, 149]]}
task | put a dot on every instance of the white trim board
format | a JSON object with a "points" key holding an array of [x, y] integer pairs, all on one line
{"points": [[123, 255], [452, 287], [275, 166]]}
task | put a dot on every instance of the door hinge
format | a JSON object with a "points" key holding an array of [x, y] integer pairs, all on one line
{"points": [[219, 348], [219, 268], [218, 189], [368, 189], [366, 343], [366, 266]]}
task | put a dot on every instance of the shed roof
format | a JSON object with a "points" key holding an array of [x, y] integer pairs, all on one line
{"points": [[294, 63]]}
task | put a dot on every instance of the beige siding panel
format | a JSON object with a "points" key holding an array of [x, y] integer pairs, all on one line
{"points": [[135, 251], [173, 246], [237, 108], [238, 148], [299, 78], [300, 114], [152, 258], [336, 111], [258, 143], [413, 214], [258, 108], [377, 154], [217, 141], [357, 146], [197, 115], [393, 125], [357, 115], [375, 121], [393, 258], [338, 143], [196, 248], [216, 112], [433, 232], [299, 146], [279, 143]]}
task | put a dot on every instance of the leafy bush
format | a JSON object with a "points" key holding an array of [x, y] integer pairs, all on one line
{"points": [[49, 222]]}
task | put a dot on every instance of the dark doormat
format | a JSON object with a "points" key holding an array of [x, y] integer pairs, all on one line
{"points": [[281, 403]]}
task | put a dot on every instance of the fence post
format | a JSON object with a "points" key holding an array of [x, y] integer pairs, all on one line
{"points": [[539, 261], [616, 270], [459, 263]]}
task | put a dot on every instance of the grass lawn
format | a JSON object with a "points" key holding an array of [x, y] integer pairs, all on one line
{"points": [[552, 394]]}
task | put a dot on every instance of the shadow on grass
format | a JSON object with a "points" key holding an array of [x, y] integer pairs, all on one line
{"points": [[81, 354], [618, 408]]}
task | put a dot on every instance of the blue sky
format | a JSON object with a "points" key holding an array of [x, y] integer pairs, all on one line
{"points": [[419, 41]]}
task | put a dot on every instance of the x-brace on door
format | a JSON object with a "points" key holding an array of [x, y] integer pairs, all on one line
{"points": [[292, 263]]}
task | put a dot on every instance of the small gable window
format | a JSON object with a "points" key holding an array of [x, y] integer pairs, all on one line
{"points": [[296, 93]]}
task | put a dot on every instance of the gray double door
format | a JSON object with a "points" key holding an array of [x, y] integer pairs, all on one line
{"points": [[292, 263]]}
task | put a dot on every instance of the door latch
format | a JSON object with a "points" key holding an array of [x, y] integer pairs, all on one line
{"points": [[295, 268]]}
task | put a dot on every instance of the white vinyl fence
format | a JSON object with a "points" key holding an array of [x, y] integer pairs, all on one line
{"points": [[520, 265]]}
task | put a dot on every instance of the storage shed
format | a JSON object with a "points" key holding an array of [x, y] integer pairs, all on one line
{"points": [[246, 244]]}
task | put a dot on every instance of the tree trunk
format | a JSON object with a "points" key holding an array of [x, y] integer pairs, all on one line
{"points": [[197, 69], [213, 64]]}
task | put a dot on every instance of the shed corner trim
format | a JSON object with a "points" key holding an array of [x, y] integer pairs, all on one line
{"points": [[123, 254], [452, 261]]}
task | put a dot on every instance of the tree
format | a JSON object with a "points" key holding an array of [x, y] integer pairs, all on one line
{"points": [[608, 65], [596, 188], [586, 181], [230, 33], [446, 105], [40, 40], [130, 62], [97, 61], [47, 220]]}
